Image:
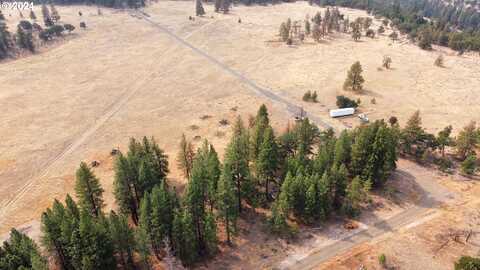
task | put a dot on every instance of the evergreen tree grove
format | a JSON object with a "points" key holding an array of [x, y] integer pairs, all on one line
{"points": [[89, 191], [20, 252]]}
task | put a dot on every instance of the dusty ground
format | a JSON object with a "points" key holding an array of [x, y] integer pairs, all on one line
{"points": [[81, 97], [429, 242]]}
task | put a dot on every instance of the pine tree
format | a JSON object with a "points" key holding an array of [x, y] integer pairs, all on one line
{"points": [[278, 220], [195, 201], [145, 221], [98, 248], [343, 147], [141, 247], [226, 6], [353, 198], [211, 234], [267, 162], [33, 16], [306, 135], [467, 140], [21, 252], [307, 28], [161, 215], [412, 132], [444, 139], [25, 38], [52, 234], [394, 36], [186, 237], [236, 162], [89, 191], [381, 29], [5, 40], [361, 148], [144, 166], [46, 16], [469, 165], [227, 202], [72, 208], [261, 123], [317, 19], [311, 201], [387, 61], [316, 32], [354, 79], [185, 156], [199, 11], [297, 194], [356, 32], [284, 32], [123, 239], [213, 176], [426, 39], [199, 193], [218, 5], [125, 192], [340, 180], [207, 170], [378, 167], [346, 25], [55, 16]]}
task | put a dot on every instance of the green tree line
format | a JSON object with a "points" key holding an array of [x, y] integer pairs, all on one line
{"points": [[303, 175]]}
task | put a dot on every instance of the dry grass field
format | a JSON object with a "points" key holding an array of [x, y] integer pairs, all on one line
{"points": [[78, 98]]}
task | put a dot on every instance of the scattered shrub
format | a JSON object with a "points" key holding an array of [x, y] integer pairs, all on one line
{"points": [[444, 164], [382, 260], [307, 96], [393, 120], [439, 61], [381, 29], [37, 27], [223, 122], [467, 263], [25, 25], [310, 97], [57, 29], [469, 165], [69, 27], [387, 61], [370, 33]]}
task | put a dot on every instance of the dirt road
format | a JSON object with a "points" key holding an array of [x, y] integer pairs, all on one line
{"points": [[293, 109], [433, 195]]}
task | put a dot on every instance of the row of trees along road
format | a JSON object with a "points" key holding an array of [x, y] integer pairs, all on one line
{"points": [[301, 173]]}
